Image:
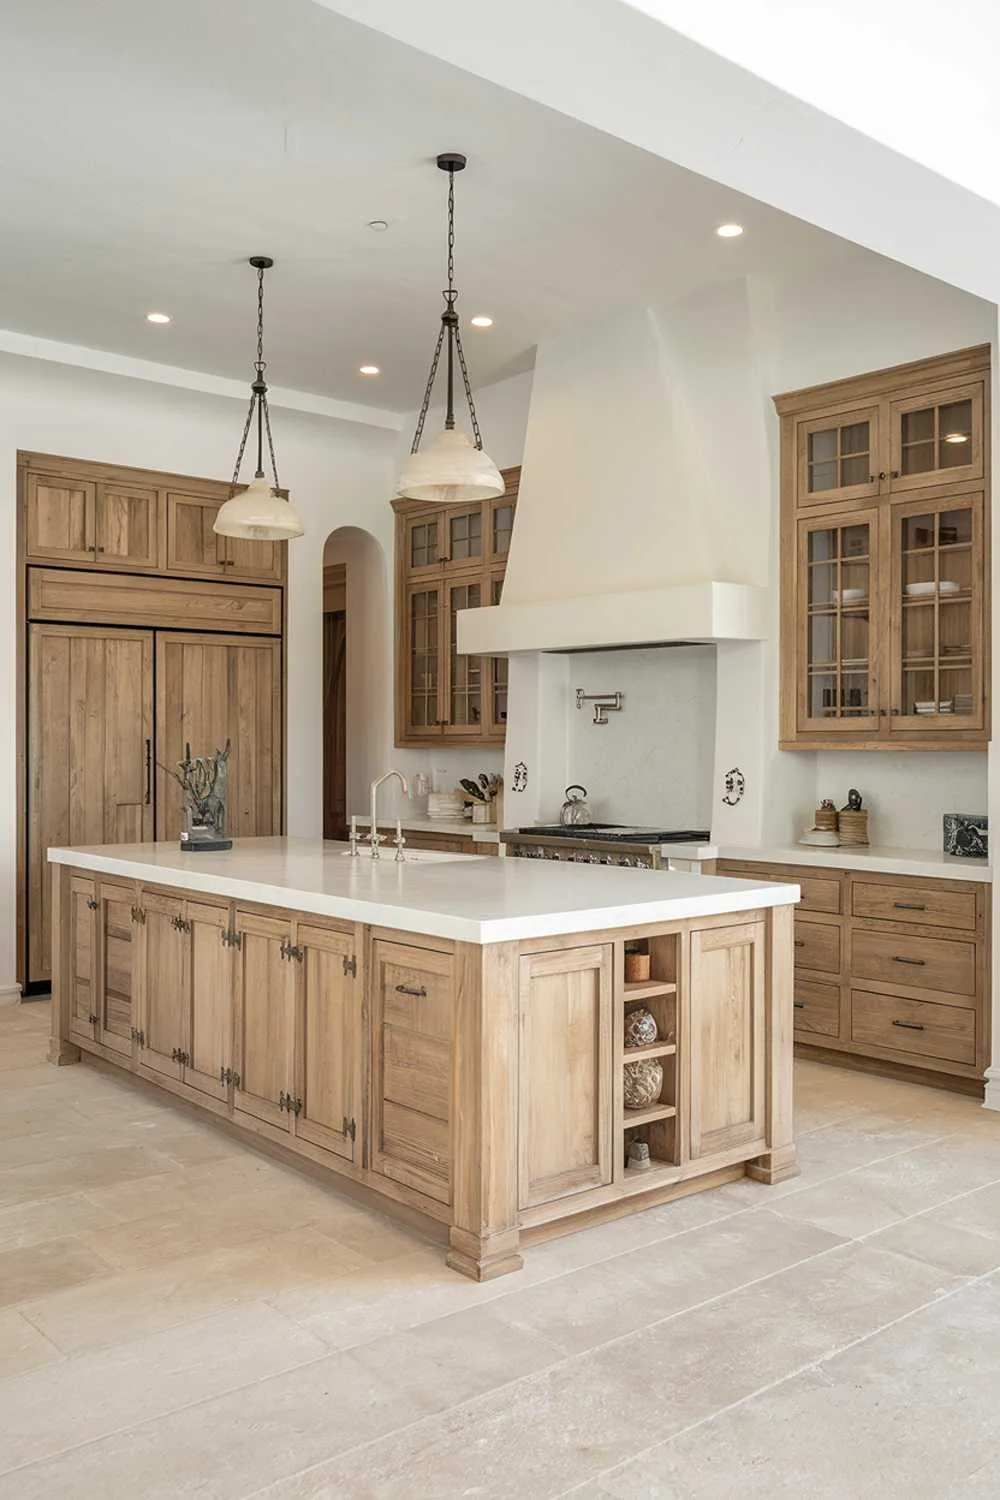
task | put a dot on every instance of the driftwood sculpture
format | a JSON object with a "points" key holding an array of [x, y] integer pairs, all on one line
{"points": [[203, 780]]}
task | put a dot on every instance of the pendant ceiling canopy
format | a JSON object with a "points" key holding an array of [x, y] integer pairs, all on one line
{"points": [[452, 467], [259, 512]]}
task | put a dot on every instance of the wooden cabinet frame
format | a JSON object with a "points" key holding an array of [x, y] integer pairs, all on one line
{"points": [[882, 503]]}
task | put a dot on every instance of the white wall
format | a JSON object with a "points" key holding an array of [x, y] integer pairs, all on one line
{"points": [[650, 764], [339, 473]]}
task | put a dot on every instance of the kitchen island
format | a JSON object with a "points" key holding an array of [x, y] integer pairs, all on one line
{"points": [[447, 1032]]}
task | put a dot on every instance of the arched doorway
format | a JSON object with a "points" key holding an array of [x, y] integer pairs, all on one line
{"points": [[356, 675]]}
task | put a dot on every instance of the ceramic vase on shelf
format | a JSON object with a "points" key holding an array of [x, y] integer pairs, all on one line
{"points": [[637, 966], [640, 1028], [641, 1084]]}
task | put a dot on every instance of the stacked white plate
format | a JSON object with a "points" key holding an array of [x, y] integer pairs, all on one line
{"points": [[444, 807], [922, 590]]}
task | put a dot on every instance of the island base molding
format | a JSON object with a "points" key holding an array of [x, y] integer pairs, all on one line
{"points": [[480, 1090]]}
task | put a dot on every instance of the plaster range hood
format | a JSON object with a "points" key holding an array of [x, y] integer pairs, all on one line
{"points": [[686, 613]]}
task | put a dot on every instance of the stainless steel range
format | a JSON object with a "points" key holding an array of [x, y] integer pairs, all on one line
{"points": [[598, 843]]}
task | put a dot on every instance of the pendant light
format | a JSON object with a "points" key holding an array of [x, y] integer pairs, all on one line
{"points": [[450, 468], [258, 512]]}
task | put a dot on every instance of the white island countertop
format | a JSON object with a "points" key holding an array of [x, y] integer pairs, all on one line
{"points": [[468, 898]]}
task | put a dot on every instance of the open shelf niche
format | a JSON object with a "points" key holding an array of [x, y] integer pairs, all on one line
{"points": [[655, 1123]]}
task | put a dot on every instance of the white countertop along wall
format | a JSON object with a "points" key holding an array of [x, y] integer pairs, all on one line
{"points": [[880, 859], [463, 897]]}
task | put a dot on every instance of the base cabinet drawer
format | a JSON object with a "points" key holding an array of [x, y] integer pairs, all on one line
{"points": [[954, 910], [920, 1028], [817, 946], [817, 1008], [820, 892], [921, 963]]}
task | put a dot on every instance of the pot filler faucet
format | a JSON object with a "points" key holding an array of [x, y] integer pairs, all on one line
{"points": [[374, 837]]}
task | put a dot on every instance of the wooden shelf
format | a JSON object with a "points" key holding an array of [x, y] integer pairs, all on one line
{"points": [[655, 1049], [633, 1117], [646, 989], [655, 1175]]}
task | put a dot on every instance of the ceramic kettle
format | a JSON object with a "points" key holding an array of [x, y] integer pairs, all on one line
{"points": [[576, 808]]}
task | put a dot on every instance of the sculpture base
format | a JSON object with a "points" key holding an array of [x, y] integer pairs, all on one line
{"points": [[197, 846]]}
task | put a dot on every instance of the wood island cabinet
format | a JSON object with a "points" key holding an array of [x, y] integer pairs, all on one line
{"points": [[265, 1019], [449, 558], [81, 977], [885, 560], [727, 1069]]}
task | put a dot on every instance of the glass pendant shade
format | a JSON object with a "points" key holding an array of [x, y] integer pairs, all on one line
{"points": [[448, 470], [259, 514]]}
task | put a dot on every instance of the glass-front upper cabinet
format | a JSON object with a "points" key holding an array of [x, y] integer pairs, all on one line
{"points": [[837, 688], [937, 627], [465, 673], [936, 437], [838, 457]]}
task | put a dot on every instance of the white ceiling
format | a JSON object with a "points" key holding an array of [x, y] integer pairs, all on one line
{"points": [[146, 150]]}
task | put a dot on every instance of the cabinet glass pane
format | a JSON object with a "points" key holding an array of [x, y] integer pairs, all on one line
{"points": [[837, 622], [499, 666], [466, 671], [936, 437], [424, 659], [837, 457], [466, 536], [503, 526], [937, 613], [424, 544]]}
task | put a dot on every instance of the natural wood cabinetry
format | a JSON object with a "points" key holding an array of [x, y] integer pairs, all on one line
{"points": [[329, 1042], [885, 559], [81, 976], [727, 1038], [892, 969], [566, 1125], [164, 984], [265, 1019], [117, 918], [449, 558]]}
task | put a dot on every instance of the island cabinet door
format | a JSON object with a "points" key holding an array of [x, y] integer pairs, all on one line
{"points": [[164, 983], [565, 1090], [328, 1042], [208, 1064], [413, 1006], [265, 1019], [82, 956], [726, 1037], [118, 921]]}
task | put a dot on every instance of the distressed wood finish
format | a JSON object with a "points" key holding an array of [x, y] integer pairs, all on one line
{"points": [[210, 689], [265, 1018], [164, 984], [727, 1037], [90, 719], [116, 968], [60, 518], [329, 1041], [779, 1161], [158, 603], [921, 1027], [210, 974], [81, 976]]}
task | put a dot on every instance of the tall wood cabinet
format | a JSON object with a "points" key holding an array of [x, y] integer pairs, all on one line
{"points": [[142, 632], [449, 558], [885, 559]]}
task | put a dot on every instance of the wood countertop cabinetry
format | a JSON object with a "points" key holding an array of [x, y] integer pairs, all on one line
{"points": [[891, 972]]}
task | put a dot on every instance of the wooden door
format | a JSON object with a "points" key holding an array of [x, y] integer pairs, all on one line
{"points": [[60, 518], [193, 548], [413, 999], [464, 685], [497, 678], [726, 1037], [938, 647], [209, 1061], [116, 968], [328, 1042], [210, 689], [421, 670], [82, 957], [128, 533], [838, 456], [90, 726], [565, 1125], [253, 561], [837, 593], [937, 437], [265, 1018], [165, 982]]}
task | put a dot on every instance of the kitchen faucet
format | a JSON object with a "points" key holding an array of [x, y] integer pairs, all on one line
{"points": [[374, 837]]}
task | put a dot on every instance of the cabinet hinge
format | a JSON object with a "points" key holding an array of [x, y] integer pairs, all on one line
{"points": [[290, 952], [92, 904], [139, 1037], [351, 966], [138, 914], [182, 1057], [181, 924], [231, 938], [236, 1080], [296, 1107], [93, 1019], [284, 1100], [350, 1128]]}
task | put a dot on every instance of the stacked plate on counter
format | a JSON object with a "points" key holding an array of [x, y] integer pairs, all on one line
{"points": [[445, 807]]}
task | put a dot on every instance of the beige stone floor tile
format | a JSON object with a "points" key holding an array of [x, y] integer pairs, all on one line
{"points": [[940, 1242], [32, 1270], [89, 1168], [22, 1347], [56, 1119], [133, 1304], [978, 1211], [50, 1218], [80, 1400]]}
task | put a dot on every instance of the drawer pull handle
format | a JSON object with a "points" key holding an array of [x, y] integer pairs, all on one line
{"points": [[800, 942], [909, 1025], [411, 989], [918, 963], [909, 906], [799, 1004]]}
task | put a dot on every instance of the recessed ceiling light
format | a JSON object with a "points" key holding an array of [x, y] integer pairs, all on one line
{"points": [[729, 231], [369, 369], [379, 225], [155, 317], [481, 321], [956, 437]]}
